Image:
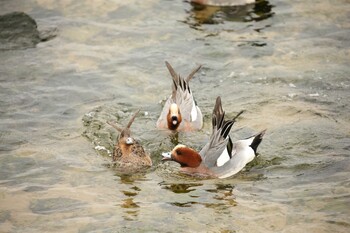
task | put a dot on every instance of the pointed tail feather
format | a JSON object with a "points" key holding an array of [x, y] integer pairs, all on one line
{"points": [[228, 125], [175, 78], [218, 114], [132, 119], [240, 113], [114, 126], [219, 121], [172, 71], [257, 140], [190, 76]]}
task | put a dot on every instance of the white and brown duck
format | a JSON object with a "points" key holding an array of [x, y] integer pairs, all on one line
{"points": [[180, 112]]}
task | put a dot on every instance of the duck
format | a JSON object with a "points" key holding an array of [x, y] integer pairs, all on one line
{"points": [[180, 112], [128, 153], [220, 157]]}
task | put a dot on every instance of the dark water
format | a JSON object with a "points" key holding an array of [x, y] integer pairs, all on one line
{"points": [[285, 62]]}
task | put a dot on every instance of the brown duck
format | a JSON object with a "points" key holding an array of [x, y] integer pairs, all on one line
{"points": [[129, 153]]}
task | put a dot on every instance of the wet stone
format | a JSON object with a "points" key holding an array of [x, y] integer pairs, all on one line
{"points": [[19, 31]]}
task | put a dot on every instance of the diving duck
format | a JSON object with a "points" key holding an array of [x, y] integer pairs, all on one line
{"points": [[220, 157], [128, 153], [180, 112]]}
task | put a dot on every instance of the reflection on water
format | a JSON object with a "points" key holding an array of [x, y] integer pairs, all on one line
{"points": [[132, 209], [286, 64], [224, 194], [174, 138], [202, 14], [180, 188], [130, 206], [219, 198]]}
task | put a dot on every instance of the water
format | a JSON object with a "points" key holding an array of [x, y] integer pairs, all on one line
{"points": [[285, 63]]}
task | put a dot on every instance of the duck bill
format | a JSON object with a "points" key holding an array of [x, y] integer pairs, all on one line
{"points": [[166, 156]]}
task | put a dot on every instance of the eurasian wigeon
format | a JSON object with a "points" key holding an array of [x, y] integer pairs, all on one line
{"points": [[220, 157], [180, 112], [129, 153]]}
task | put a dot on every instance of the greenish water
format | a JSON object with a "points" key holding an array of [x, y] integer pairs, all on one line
{"points": [[285, 63]]}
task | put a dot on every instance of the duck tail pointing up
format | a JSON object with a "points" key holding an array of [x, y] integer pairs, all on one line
{"points": [[219, 121], [114, 126], [172, 72], [175, 78], [132, 119], [218, 114], [194, 71], [240, 113], [257, 140]]}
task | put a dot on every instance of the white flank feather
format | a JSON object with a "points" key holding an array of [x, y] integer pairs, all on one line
{"points": [[193, 111], [224, 157]]}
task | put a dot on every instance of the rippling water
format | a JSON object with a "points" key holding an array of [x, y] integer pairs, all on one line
{"points": [[285, 62]]}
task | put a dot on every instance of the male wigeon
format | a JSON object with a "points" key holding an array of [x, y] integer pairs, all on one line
{"points": [[220, 157], [180, 112], [128, 153]]}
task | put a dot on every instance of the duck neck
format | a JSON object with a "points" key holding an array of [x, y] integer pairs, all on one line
{"points": [[126, 149]]}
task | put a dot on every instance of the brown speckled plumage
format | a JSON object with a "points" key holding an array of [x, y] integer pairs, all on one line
{"points": [[129, 153], [117, 153], [131, 156]]}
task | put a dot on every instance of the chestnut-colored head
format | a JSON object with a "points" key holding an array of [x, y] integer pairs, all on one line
{"points": [[174, 117], [185, 156]]}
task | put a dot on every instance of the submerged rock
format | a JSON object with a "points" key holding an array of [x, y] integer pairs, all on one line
{"points": [[55, 205], [19, 31]]}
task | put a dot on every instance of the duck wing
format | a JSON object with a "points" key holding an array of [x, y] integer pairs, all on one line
{"points": [[219, 140], [244, 152], [140, 155]]}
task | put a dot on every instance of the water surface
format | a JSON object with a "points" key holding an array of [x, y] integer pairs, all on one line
{"points": [[285, 62]]}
